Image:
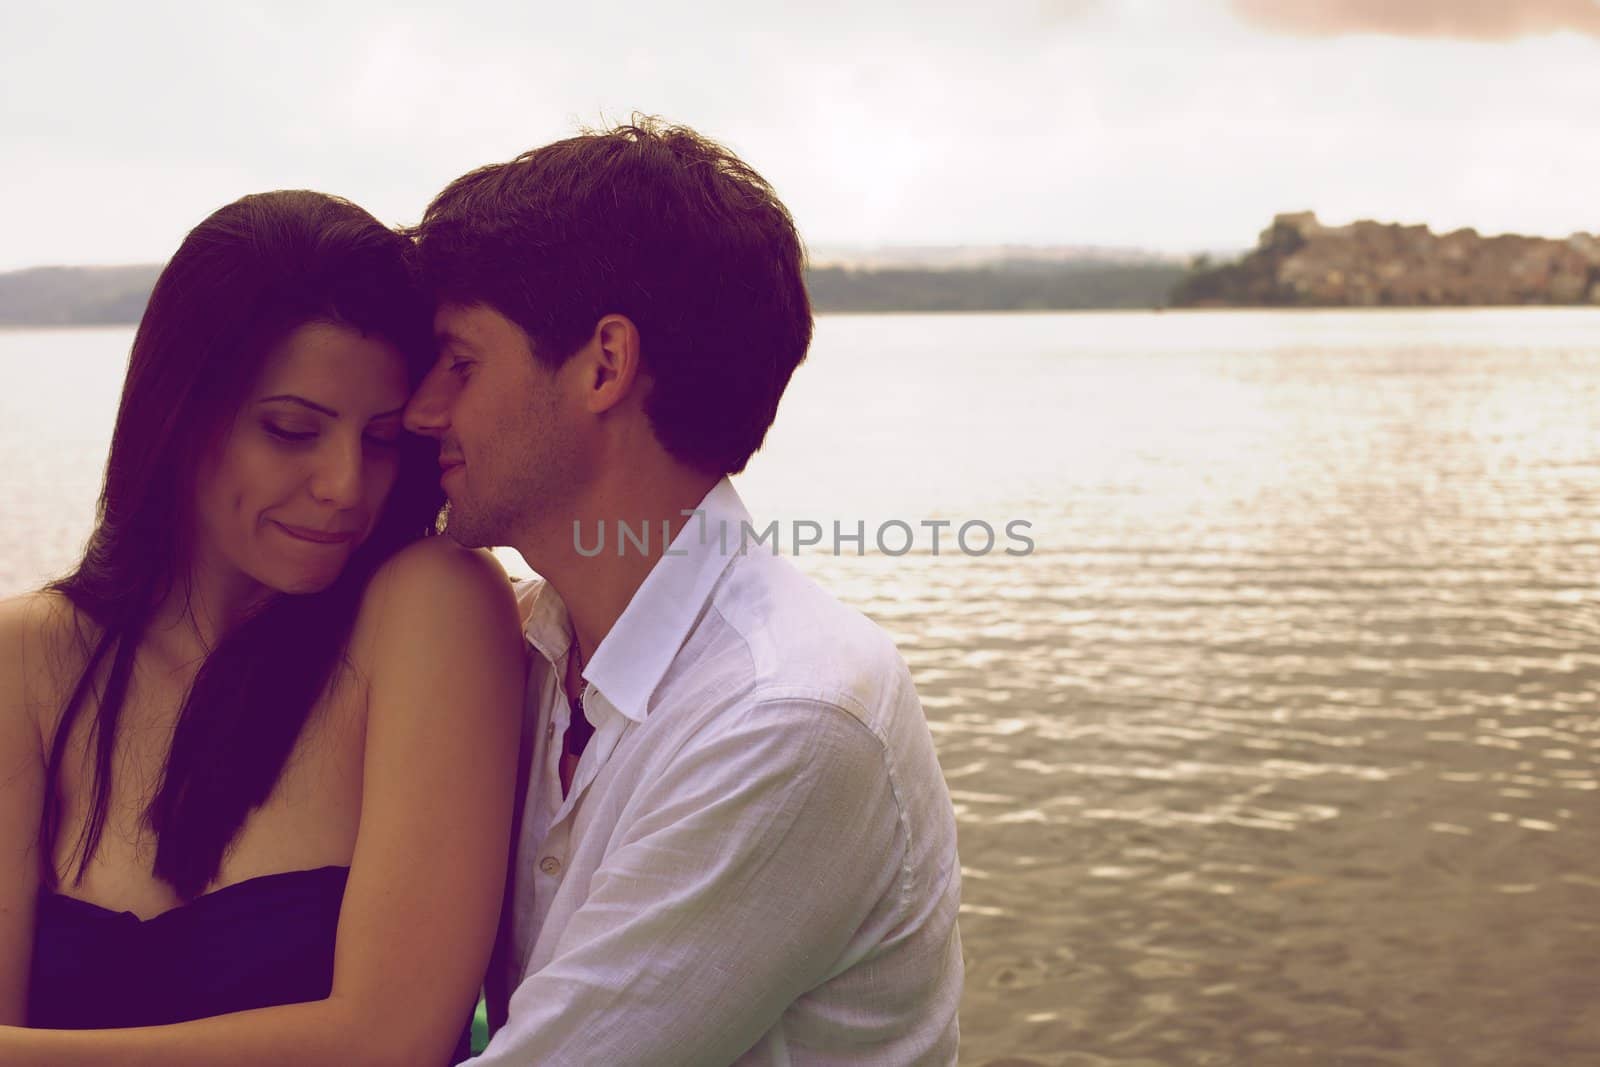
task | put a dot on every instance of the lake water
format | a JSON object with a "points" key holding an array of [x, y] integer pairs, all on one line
{"points": [[1280, 747]]}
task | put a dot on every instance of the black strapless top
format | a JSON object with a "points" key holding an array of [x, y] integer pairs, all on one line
{"points": [[253, 944]]}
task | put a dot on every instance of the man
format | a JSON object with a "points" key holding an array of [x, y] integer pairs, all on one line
{"points": [[736, 845]]}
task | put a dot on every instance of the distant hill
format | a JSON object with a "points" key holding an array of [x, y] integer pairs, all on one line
{"points": [[957, 257], [1299, 262], [932, 279], [989, 278], [75, 296], [1012, 286]]}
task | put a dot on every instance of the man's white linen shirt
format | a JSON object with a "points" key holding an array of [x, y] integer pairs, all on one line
{"points": [[756, 861]]}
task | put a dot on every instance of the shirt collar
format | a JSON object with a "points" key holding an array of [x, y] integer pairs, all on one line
{"points": [[634, 656], [548, 627]]}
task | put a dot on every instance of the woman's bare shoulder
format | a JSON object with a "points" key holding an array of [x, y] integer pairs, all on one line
{"points": [[45, 615], [44, 643], [432, 588], [434, 566]]}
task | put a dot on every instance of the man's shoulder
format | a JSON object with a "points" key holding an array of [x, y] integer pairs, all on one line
{"points": [[801, 640]]}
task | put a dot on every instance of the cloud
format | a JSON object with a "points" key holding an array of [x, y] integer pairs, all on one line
{"points": [[1169, 124], [1472, 20]]}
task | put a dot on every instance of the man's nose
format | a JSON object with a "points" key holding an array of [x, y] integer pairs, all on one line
{"points": [[429, 409]]}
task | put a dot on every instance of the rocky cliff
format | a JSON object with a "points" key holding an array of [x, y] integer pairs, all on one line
{"points": [[1301, 263]]}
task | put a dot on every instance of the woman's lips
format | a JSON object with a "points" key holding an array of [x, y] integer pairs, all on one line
{"points": [[317, 537]]}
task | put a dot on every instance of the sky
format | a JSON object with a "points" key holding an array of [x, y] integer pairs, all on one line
{"points": [[1170, 125]]}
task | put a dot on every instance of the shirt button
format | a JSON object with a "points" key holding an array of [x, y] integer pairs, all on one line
{"points": [[550, 865]]}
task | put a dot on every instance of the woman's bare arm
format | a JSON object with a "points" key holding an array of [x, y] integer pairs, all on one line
{"points": [[440, 641], [21, 800]]}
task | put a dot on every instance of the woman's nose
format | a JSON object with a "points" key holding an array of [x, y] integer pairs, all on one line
{"points": [[337, 478]]}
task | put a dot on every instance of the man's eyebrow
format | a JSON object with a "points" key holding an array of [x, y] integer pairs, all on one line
{"points": [[445, 338]]}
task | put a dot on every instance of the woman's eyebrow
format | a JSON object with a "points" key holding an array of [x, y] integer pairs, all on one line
{"points": [[302, 401], [332, 414]]}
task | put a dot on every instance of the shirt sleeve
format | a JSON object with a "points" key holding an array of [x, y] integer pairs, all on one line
{"points": [[737, 883]]}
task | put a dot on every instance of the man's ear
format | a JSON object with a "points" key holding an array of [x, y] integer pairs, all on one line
{"points": [[613, 369]]}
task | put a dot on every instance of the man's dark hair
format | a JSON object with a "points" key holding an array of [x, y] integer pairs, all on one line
{"points": [[656, 223]]}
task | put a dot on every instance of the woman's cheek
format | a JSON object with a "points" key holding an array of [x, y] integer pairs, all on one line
{"points": [[385, 476]]}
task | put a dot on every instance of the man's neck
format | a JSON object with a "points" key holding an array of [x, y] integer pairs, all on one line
{"points": [[596, 586]]}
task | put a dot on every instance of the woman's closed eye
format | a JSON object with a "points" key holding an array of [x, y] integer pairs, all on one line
{"points": [[383, 438], [291, 434]]}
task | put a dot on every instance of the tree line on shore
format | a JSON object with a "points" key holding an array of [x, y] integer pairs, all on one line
{"points": [[1298, 262], [89, 296]]}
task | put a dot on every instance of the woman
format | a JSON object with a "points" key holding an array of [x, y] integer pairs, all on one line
{"points": [[258, 748]]}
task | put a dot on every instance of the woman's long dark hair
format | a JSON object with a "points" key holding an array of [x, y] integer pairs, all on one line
{"points": [[241, 282]]}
